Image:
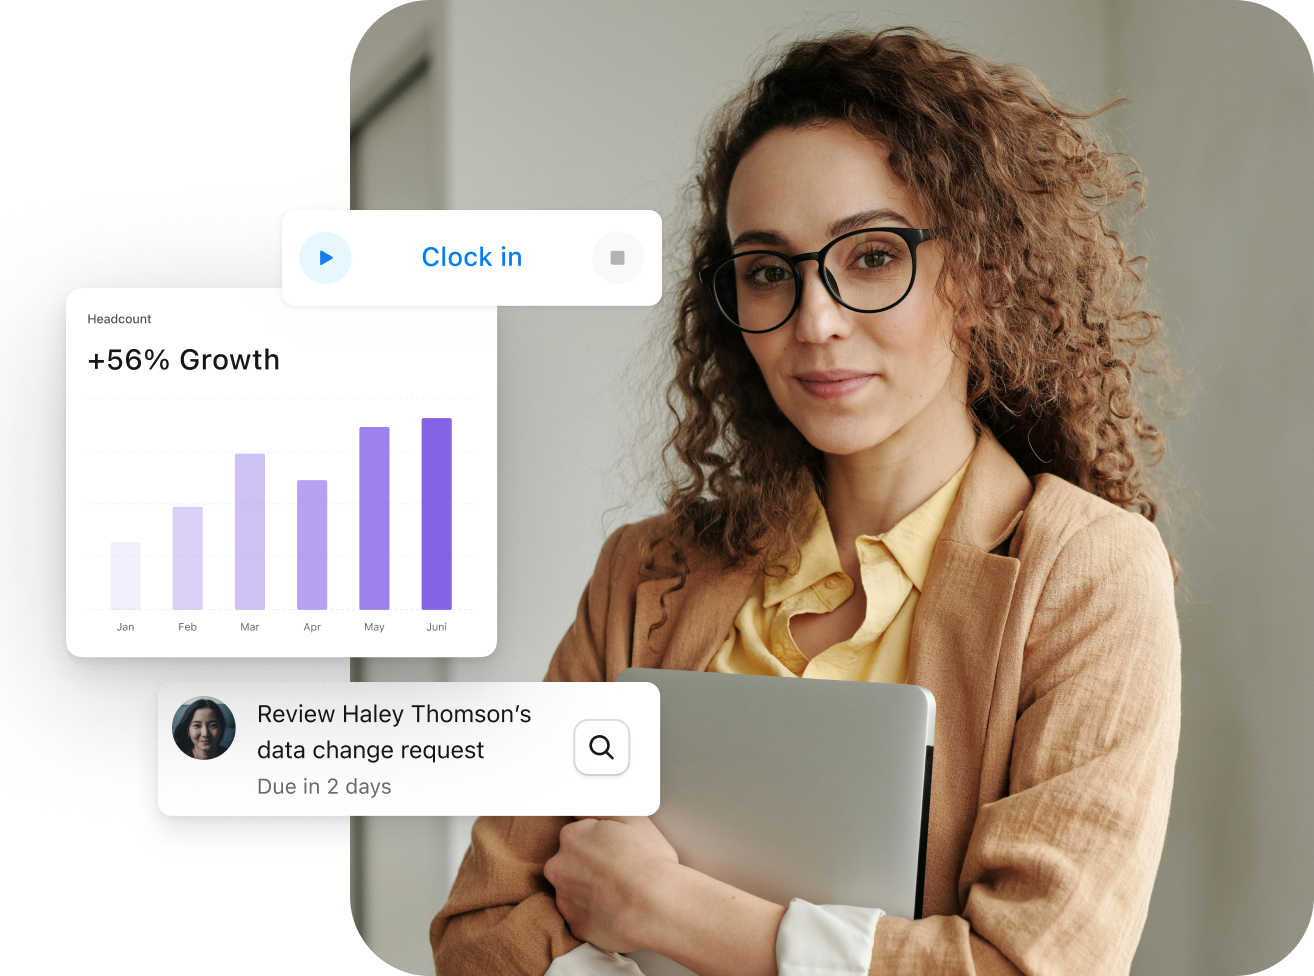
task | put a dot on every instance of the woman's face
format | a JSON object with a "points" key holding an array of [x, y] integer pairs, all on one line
{"points": [[205, 730], [846, 380]]}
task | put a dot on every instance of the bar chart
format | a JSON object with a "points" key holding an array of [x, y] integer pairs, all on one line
{"points": [[250, 479]]}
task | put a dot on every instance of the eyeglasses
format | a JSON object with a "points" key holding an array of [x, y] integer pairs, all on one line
{"points": [[866, 271]]}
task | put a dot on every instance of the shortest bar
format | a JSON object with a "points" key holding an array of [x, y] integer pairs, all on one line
{"points": [[187, 552], [312, 545], [125, 575]]}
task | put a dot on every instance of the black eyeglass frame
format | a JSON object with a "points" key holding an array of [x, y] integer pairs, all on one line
{"points": [[911, 236]]}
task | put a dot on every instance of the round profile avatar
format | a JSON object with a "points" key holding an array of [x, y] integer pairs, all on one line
{"points": [[203, 728]]}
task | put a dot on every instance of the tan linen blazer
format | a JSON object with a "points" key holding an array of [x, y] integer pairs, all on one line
{"points": [[1047, 633]]}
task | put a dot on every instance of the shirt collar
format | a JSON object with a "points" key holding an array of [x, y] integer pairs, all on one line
{"points": [[911, 542], [818, 557]]}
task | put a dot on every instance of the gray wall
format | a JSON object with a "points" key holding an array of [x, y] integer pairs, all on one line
{"points": [[594, 105], [1222, 120]]}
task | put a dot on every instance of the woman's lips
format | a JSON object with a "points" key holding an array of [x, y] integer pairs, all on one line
{"points": [[831, 384]]}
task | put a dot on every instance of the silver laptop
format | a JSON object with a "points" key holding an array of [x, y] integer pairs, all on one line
{"points": [[785, 788]]}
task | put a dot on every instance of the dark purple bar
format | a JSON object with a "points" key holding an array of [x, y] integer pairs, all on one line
{"points": [[436, 513], [187, 558], [374, 518], [249, 532], [312, 545]]}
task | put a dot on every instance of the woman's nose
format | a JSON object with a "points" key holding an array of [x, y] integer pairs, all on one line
{"points": [[819, 317]]}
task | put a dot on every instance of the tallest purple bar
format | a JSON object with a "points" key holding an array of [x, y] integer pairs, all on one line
{"points": [[436, 513], [249, 532]]}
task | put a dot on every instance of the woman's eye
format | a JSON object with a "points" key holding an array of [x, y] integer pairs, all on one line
{"points": [[871, 260], [770, 274]]}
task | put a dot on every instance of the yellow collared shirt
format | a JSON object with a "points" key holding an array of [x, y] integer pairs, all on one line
{"points": [[893, 567]]}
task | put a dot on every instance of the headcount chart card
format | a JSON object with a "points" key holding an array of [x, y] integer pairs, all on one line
{"points": [[250, 479]]}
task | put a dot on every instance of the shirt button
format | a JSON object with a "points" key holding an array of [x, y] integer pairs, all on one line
{"points": [[779, 648], [831, 584]]}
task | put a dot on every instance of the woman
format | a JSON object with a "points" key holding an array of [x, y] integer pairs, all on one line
{"points": [[201, 731], [908, 450]]}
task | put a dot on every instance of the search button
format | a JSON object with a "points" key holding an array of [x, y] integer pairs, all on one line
{"points": [[602, 747]]}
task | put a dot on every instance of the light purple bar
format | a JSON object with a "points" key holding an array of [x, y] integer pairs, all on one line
{"points": [[436, 513], [312, 545], [187, 553], [374, 518], [249, 532], [125, 575]]}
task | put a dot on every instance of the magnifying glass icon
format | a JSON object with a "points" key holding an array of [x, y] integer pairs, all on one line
{"points": [[601, 747]]}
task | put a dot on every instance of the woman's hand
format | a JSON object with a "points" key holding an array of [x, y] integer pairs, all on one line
{"points": [[621, 886], [611, 875]]}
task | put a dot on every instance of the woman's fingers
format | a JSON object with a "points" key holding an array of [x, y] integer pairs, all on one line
{"points": [[624, 820], [550, 870]]}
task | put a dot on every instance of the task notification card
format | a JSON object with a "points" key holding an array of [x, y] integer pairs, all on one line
{"points": [[250, 479]]}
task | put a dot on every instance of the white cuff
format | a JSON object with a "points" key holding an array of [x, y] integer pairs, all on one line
{"points": [[825, 940], [589, 960]]}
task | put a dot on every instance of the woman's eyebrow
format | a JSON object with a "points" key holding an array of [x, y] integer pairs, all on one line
{"points": [[868, 218], [768, 237]]}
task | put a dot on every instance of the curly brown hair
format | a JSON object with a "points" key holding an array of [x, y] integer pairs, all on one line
{"points": [[1047, 301]]}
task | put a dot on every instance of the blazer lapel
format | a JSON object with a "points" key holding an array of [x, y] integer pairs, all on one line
{"points": [[698, 615], [955, 653]]}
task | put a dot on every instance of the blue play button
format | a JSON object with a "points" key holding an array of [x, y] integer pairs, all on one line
{"points": [[325, 258]]}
